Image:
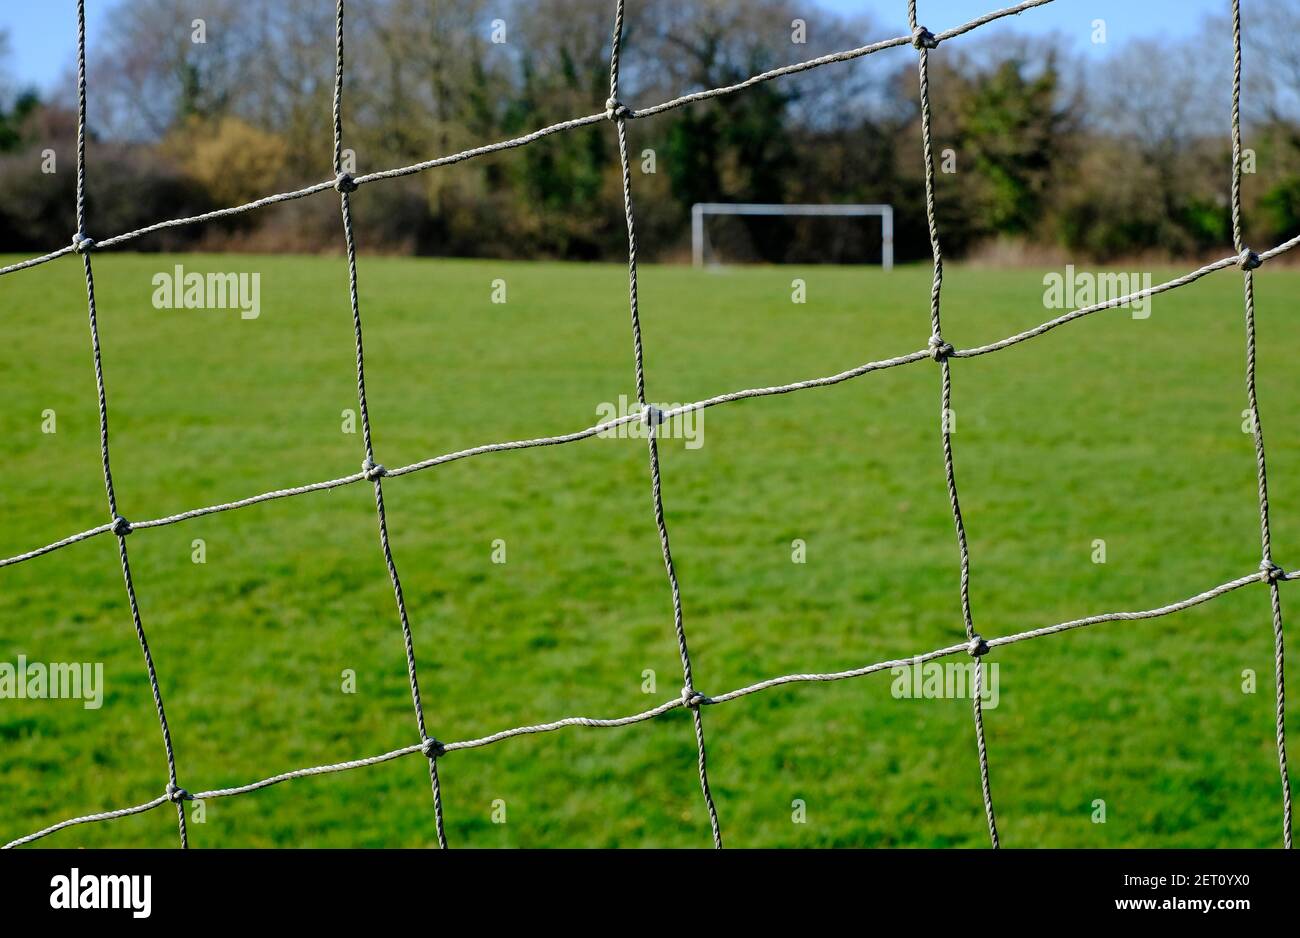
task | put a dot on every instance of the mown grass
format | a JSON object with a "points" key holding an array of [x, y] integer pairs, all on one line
{"points": [[1109, 428]]}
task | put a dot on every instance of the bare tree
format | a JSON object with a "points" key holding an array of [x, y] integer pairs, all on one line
{"points": [[1272, 68]]}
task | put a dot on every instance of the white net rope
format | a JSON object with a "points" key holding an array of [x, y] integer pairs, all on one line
{"points": [[936, 350]]}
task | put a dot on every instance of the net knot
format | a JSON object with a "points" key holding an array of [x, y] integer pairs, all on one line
{"points": [[922, 38], [691, 698], [177, 794], [81, 244], [977, 647], [616, 109], [121, 527], [939, 349], [1249, 260], [1272, 572], [344, 182], [651, 415], [432, 748], [372, 470]]}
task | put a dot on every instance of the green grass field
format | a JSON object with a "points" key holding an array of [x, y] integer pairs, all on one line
{"points": [[1108, 428]]}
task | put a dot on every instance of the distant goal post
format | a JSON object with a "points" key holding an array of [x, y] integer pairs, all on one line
{"points": [[700, 209]]}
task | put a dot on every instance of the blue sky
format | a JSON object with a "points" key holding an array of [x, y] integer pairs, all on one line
{"points": [[43, 37], [1125, 19], [42, 33]]}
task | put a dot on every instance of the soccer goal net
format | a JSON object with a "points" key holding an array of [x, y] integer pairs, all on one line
{"points": [[842, 242], [934, 352]]}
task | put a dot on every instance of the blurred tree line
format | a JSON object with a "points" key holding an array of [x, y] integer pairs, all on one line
{"points": [[1041, 148]]}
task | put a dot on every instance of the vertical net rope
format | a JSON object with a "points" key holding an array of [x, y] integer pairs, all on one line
{"points": [[120, 526], [1249, 261], [371, 469], [692, 699], [941, 351]]}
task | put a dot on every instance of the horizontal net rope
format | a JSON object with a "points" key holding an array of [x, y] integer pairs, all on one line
{"points": [[526, 138], [667, 414], [677, 703], [937, 350]]}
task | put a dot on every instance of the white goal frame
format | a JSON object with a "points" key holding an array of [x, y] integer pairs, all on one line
{"points": [[700, 209]]}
